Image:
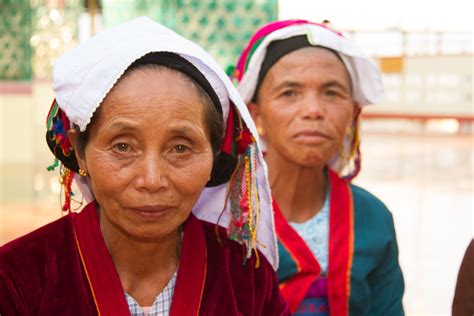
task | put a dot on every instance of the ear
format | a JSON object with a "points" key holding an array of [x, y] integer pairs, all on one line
{"points": [[255, 112], [80, 157]]}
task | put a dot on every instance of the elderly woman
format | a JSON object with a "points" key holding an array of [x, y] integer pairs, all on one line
{"points": [[305, 85], [157, 137]]}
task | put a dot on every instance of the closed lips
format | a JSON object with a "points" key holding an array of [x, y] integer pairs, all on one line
{"points": [[152, 208], [311, 133]]}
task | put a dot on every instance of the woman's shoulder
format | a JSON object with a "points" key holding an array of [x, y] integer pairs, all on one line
{"points": [[38, 244], [366, 197], [40, 271], [220, 247], [368, 205], [250, 284]]}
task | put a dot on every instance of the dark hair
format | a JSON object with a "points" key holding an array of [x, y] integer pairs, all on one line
{"points": [[279, 48]]}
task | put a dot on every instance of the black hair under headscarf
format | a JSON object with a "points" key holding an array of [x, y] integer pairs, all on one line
{"points": [[279, 48]]}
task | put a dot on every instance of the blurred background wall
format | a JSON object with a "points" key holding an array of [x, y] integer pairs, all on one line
{"points": [[417, 145]]}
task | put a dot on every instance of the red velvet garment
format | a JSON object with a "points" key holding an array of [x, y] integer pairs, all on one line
{"points": [[44, 273]]}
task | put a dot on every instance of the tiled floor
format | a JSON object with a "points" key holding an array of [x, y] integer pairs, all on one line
{"points": [[427, 182]]}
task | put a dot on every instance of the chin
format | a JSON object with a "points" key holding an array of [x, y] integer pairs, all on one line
{"points": [[310, 164], [310, 160], [149, 231], [150, 234]]}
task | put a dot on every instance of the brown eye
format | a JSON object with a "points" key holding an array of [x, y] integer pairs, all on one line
{"points": [[122, 147], [289, 93], [181, 149], [331, 93]]}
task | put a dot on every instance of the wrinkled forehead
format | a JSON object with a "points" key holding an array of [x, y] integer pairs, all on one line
{"points": [[308, 65], [311, 55], [149, 88], [142, 80]]}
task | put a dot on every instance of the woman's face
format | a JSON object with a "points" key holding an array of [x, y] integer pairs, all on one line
{"points": [[148, 155], [304, 106]]}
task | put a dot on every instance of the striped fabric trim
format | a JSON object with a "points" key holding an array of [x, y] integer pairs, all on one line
{"points": [[87, 273], [341, 246], [351, 245], [295, 287], [103, 279], [341, 250], [192, 270]]}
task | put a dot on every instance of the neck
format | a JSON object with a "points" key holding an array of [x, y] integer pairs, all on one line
{"points": [[144, 266], [300, 191]]}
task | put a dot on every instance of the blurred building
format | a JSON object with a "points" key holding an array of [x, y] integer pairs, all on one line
{"points": [[33, 33], [427, 77]]}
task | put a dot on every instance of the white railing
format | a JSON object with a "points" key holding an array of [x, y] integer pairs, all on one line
{"points": [[412, 43], [427, 87]]}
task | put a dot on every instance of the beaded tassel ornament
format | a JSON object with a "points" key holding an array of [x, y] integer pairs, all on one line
{"points": [[244, 202], [58, 125], [242, 192], [354, 156]]}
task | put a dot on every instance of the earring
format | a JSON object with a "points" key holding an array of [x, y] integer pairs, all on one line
{"points": [[260, 131], [82, 173]]}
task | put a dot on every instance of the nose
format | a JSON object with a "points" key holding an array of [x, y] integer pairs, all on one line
{"points": [[313, 107], [152, 175]]}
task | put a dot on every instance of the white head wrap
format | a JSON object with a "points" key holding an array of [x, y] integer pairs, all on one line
{"points": [[84, 76], [365, 76]]}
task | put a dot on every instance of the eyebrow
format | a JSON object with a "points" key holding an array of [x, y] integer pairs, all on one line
{"points": [[329, 84], [337, 84], [179, 130], [182, 130], [121, 126], [288, 84]]}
